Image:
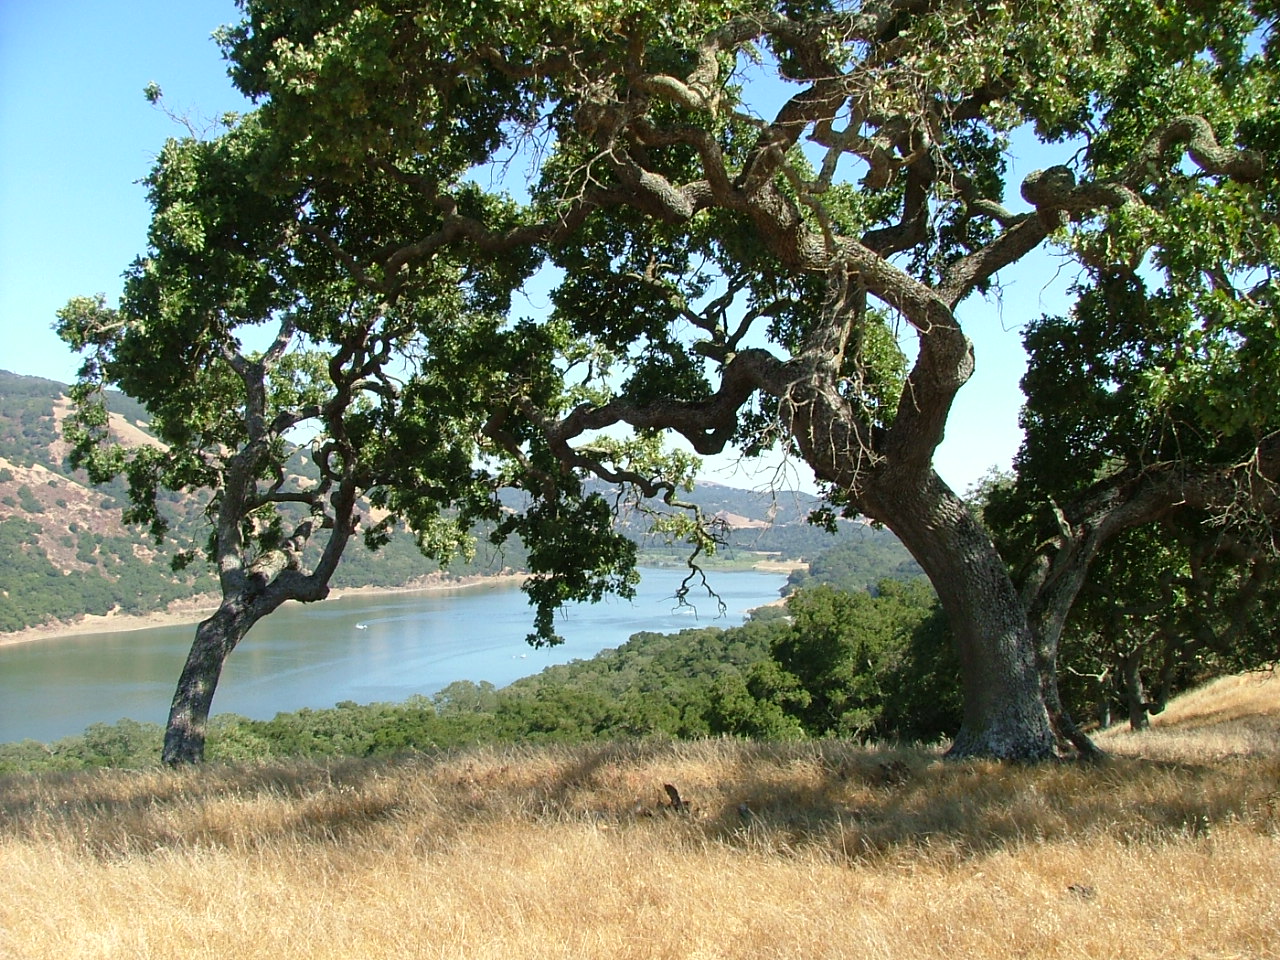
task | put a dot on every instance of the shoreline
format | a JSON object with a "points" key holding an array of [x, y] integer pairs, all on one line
{"points": [[191, 611]]}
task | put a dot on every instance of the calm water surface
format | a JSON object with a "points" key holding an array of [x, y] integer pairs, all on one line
{"points": [[381, 648]]}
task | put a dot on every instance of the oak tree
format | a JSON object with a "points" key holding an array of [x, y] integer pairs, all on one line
{"points": [[273, 381], [759, 223]]}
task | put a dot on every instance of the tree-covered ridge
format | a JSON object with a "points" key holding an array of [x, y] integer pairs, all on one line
{"points": [[26, 423], [68, 551], [858, 563], [762, 524]]}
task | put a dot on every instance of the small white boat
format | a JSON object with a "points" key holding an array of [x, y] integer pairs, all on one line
{"points": [[362, 626]]}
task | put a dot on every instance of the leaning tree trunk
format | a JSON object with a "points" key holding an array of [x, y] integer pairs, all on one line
{"points": [[1005, 714], [1047, 620], [216, 637], [1064, 725], [1004, 709]]}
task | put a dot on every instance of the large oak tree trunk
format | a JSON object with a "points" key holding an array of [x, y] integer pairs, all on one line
{"points": [[1005, 716], [1047, 616], [1005, 713], [216, 637]]}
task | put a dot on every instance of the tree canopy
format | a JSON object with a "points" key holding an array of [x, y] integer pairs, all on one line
{"points": [[758, 222]]}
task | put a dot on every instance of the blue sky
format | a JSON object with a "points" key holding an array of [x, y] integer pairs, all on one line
{"points": [[76, 134]]}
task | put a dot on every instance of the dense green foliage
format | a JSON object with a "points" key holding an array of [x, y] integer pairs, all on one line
{"points": [[861, 561], [871, 664], [1166, 610], [1166, 607], [750, 206]]}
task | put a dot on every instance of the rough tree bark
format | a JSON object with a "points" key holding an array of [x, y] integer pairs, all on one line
{"points": [[1005, 714], [263, 591], [255, 581], [216, 637]]}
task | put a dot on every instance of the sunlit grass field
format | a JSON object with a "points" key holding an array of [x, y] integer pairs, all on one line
{"points": [[821, 849]]}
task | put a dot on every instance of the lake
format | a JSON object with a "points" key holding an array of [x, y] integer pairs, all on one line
{"points": [[384, 647]]}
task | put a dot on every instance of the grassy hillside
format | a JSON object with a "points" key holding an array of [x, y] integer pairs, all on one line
{"points": [[805, 850]]}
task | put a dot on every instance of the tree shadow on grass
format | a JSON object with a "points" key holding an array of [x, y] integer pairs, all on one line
{"points": [[864, 803], [853, 802]]}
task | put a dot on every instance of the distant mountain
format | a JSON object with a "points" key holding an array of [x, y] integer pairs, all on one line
{"points": [[67, 552], [766, 524]]}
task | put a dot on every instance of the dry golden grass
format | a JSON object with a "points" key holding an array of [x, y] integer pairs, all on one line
{"points": [[807, 851], [1229, 717]]}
